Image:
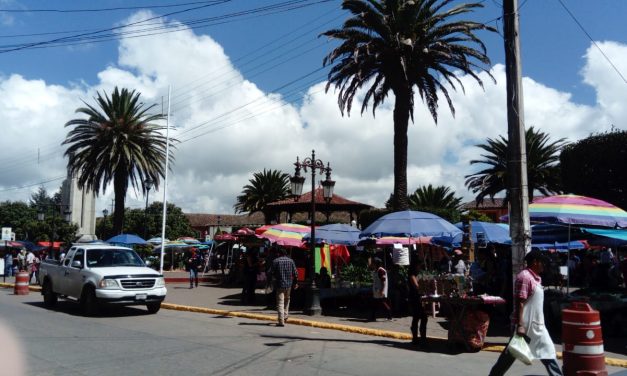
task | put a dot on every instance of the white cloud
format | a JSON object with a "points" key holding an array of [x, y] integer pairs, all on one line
{"points": [[231, 128]]}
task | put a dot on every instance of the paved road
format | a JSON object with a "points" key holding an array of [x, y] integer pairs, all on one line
{"points": [[130, 342]]}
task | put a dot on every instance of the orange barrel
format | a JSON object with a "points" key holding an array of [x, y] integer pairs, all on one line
{"points": [[21, 283], [582, 341]]}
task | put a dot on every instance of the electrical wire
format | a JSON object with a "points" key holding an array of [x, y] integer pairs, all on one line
{"points": [[593, 41], [105, 9]]}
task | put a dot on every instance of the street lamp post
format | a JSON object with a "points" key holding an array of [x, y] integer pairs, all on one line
{"points": [[147, 186], [312, 305], [41, 217]]}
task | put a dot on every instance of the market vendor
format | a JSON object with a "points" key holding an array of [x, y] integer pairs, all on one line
{"points": [[528, 318]]}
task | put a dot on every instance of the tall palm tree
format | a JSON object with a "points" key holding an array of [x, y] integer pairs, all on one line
{"points": [[265, 187], [434, 197], [118, 142], [543, 171], [392, 46]]}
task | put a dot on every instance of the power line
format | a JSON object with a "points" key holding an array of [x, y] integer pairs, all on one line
{"points": [[592, 40], [104, 9], [36, 44], [99, 36], [32, 185]]}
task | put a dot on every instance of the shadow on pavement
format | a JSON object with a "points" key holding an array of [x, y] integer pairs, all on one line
{"points": [[74, 309], [437, 346]]}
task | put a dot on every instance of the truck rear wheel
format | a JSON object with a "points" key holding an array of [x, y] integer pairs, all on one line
{"points": [[89, 302], [50, 298], [153, 307]]}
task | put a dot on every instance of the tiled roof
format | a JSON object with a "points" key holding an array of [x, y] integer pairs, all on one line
{"points": [[336, 200], [206, 220], [496, 203]]}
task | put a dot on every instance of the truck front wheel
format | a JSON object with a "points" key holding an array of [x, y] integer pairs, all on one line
{"points": [[89, 302], [153, 307], [50, 298]]}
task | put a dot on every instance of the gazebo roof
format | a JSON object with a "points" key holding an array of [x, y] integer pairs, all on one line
{"points": [[303, 204]]}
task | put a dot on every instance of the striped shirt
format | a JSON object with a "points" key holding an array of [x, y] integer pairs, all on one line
{"points": [[524, 285], [284, 272]]}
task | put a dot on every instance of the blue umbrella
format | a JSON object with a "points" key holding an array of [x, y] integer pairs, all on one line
{"points": [[336, 233], [493, 233], [410, 223], [127, 239]]}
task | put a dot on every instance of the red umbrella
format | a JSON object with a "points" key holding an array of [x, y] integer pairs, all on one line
{"points": [[262, 229], [225, 237]]}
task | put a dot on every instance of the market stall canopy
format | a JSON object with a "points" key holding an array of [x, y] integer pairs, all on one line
{"points": [[173, 246], [156, 241], [225, 237], [410, 223], [286, 234], [30, 246], [559, 246], [336, 233], [493, 232], [11, 244], [608, 237], [576, 210], [126, 239], [55, 245], [245, 231], [391, 240], [188, 240]]}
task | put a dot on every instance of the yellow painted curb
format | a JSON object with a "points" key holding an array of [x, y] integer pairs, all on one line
{"points": [[345, 328], [613, 362]]}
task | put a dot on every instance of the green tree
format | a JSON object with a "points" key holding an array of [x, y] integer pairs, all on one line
{"points": [[20, 217], [543, 171], [265, 187], [399, 46], [595, 167], [434, 197], [117, 143], [140, 222]]}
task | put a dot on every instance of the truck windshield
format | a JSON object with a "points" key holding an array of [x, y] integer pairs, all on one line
{"points": [[101, 258]]}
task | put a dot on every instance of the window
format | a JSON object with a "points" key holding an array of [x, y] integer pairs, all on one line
{"points": [[78, 256]]}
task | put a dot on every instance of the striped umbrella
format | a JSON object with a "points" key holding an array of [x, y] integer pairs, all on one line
{"points": [[286, 234], [577, 210]]}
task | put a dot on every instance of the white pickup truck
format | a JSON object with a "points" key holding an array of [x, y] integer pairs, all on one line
{"points": [[93, 274]]}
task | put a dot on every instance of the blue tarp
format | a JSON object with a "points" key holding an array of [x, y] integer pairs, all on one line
{"points": [[608, 237]]}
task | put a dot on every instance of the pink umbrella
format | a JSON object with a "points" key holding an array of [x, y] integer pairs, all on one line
{"points": [[244, 231], [286, 234]]}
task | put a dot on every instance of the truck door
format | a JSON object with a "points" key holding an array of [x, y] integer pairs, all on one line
{"points": [[74, 274], [60, 282]]}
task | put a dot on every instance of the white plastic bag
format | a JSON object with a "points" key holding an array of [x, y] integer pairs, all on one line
{"points": [[519, 349]]}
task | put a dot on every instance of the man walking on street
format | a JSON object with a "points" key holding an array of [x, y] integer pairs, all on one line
{"points": [[528, 318], [283, 272]]}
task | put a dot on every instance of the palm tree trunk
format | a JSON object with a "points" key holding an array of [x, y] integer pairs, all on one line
{"points": [[401, 121], [120, 183]]}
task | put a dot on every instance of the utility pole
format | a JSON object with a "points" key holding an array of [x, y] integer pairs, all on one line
{"points": [[519, 227]]}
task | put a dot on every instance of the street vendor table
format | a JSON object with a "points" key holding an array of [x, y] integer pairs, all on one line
{"points": [[468, 320]]}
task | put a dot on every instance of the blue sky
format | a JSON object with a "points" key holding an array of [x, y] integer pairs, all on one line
{"points": [[570, 91]]}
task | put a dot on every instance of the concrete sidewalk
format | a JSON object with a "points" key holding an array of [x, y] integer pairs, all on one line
{"points": [[214, 296]]}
